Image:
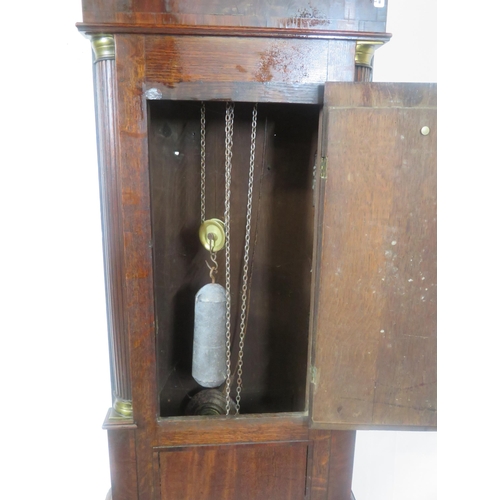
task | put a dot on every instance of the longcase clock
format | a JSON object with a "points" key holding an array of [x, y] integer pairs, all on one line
{"points": [[269, 234]]}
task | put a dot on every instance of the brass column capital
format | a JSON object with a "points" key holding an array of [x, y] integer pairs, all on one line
{"points": [[365, 50], [103, 47]]}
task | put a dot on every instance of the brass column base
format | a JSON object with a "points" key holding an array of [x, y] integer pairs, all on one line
{"points": [[123, 407]]}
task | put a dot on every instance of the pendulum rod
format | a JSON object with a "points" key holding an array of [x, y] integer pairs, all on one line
{"points": [[244, 286], [227, 220]]}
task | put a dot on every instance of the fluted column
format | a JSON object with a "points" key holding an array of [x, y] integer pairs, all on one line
{"points": [[364, 60], [111, 213]]}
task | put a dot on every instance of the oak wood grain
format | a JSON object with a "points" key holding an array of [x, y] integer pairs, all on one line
{"points": [[132, 129], [244, 429], [341, 462], [375, 350], [246, 472], [354, 15], [319, 461], [171, 60], [341, 56], [272, 92], [123, 465]]}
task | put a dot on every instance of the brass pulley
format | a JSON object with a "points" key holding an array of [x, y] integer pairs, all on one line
{"points": [[212, 235]]}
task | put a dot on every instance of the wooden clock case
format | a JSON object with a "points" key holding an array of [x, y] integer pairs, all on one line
{"points": [[342, 323]]}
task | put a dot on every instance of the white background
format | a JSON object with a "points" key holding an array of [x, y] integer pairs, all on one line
{"points": [[54, 370]]}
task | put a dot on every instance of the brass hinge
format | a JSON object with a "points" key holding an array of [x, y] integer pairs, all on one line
{"points": [[323, 167], [314, 373]]}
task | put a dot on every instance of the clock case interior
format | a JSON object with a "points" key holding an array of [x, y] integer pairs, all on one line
{"points": [[281, 244]]}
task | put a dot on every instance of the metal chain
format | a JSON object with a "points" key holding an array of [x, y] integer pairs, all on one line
{"points": [[246, 258], [227, 221], [213, 257], [203, 154], [229, 127]]}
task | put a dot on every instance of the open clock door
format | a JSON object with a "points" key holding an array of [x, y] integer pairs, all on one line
{"points": [[374, 320]]}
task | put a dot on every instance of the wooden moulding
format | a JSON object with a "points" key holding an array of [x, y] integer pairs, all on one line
{"points": [[114, 421], [240, 31], [355, 15], [243, 429]]}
